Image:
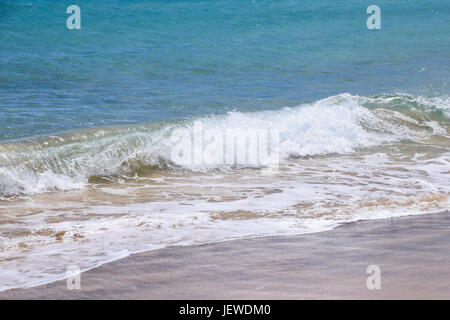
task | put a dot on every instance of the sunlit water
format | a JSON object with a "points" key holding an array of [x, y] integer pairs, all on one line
{"points": [[87, 119]]}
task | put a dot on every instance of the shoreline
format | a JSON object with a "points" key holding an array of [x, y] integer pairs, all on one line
{"points": [[411, 252]]}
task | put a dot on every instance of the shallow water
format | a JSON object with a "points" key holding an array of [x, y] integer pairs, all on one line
{"points": [[355, 124], [88, 197]]}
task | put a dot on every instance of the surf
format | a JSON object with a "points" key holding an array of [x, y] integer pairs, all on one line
{"points": [[339, 124]]}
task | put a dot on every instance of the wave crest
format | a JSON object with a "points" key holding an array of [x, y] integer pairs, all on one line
{"points": [[335, 125]]}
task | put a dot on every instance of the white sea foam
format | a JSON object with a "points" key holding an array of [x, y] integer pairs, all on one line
{"points": [[343, 159], [336, 125]]}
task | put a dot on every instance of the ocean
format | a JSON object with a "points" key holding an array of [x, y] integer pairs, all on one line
{"points": [[116, 138]]}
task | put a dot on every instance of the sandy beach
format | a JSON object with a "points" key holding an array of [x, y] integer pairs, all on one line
{"points": [[224, 150], [412, 253]]}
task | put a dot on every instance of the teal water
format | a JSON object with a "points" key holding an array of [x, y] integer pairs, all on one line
{"points": [[144, 61], [89, 120]]}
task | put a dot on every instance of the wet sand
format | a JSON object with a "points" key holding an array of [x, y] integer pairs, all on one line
{"points": [[413, 254]]}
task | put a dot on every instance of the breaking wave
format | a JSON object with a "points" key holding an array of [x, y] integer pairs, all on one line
{"points": [[336, 125]]}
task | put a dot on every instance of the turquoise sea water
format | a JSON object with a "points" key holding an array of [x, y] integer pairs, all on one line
{"points": [[144, 61], [358, 119]]}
